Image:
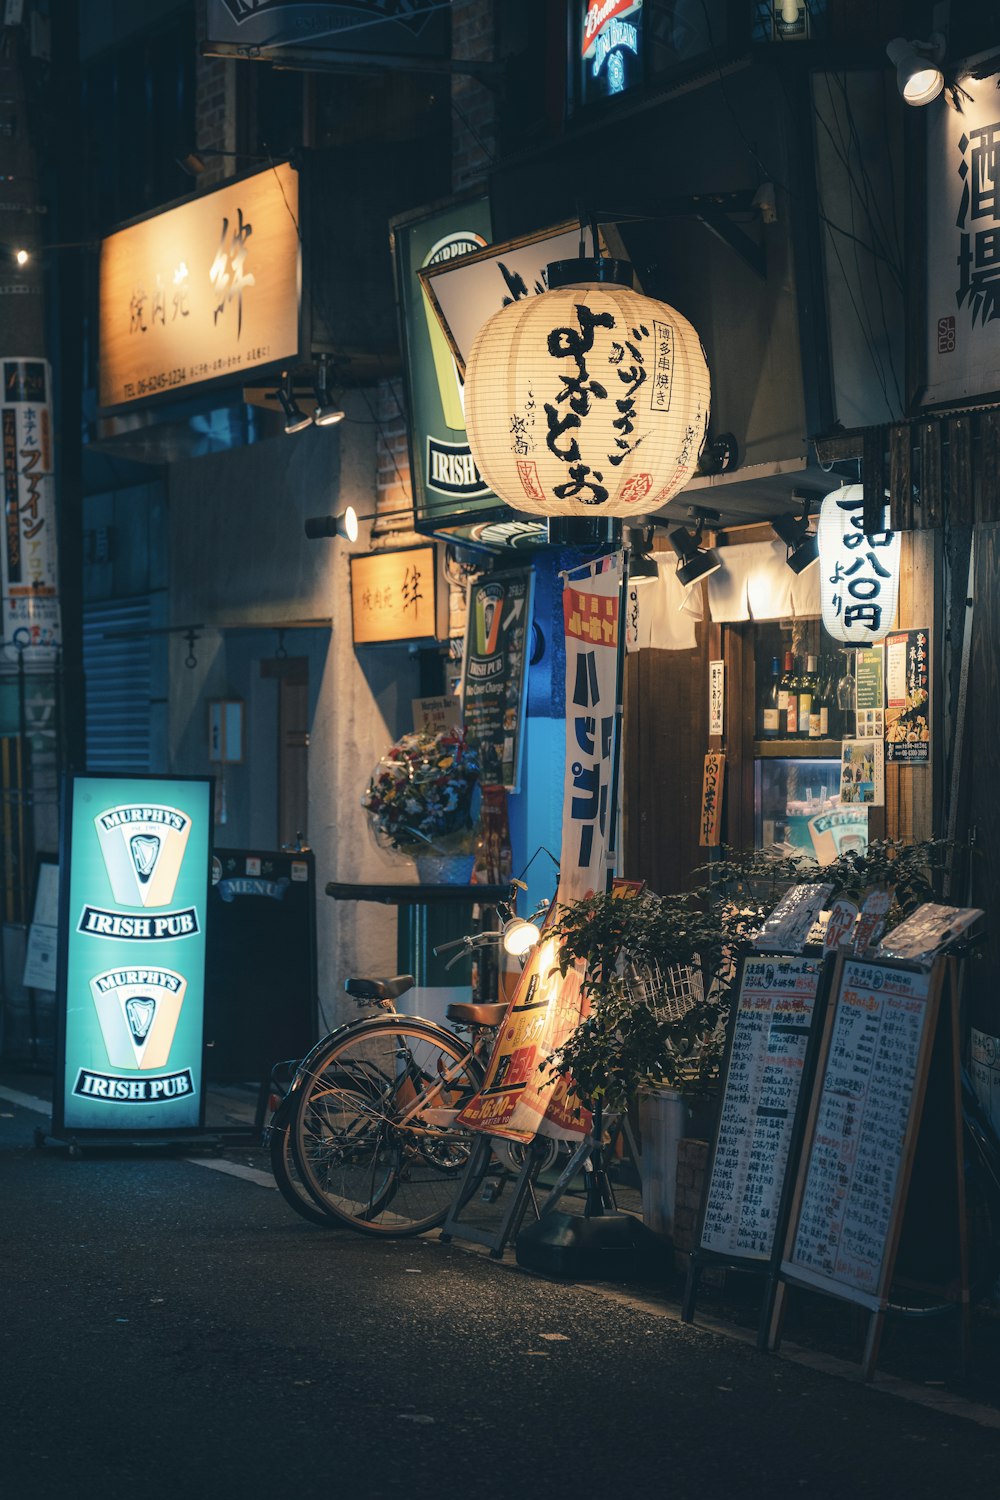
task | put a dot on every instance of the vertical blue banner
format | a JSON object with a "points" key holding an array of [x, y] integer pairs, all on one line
{"points": [[135, 871]]}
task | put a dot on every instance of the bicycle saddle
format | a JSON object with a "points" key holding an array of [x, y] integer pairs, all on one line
{"points": [[476, 1015], [379, 989]]}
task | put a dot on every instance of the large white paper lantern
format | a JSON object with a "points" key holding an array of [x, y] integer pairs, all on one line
{"points": [[859, 574], [587, 400]]}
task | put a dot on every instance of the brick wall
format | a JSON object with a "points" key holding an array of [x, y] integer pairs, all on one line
{"points": [[473, 103], [215, 107], [393, 490]]}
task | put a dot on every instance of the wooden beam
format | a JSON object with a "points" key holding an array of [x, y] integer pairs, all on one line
{"points": [[900, 477]]}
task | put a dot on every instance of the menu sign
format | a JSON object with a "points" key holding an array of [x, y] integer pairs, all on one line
{"points": [[132, 954], [908, 714], [770, 1038], [494, 673], [863, 1116]]}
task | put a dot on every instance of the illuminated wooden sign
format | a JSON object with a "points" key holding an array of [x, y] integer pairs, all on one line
{"points": [[202, 292], [394, 596]]}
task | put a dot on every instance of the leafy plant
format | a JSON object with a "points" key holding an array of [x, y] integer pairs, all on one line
{"points": [[629, 945]]}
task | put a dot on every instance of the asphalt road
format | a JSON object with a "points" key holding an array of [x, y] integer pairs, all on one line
{"points": [[167, 1331]]}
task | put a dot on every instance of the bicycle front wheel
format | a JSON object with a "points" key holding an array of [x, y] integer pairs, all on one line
{"points": [[289, 1183], [374, 1132]]}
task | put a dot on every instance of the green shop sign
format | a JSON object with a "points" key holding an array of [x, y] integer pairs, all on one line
{"points": [[131, 987], [447, 486]]}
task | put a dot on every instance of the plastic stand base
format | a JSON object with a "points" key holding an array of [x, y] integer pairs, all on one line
{"points": [[586, 1249]]}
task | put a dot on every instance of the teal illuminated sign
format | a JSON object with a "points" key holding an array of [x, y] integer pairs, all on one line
{"points": [[135, 868]]}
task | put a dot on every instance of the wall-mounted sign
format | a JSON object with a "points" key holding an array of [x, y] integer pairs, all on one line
{"points": [[206, 291], [395, 596], [716, 696], [135, 869], [710, 823], [859, 574], [610, 47], [495, 673], [908, 697], [963, 273], [395, 27], [432, 715], [467, 291], [447, 486], [28, 551]]}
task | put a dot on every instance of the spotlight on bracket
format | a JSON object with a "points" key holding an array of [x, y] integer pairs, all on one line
{"points": [[803, 548], [295, 417], [694, 561], [327, 411], [919, 76]]}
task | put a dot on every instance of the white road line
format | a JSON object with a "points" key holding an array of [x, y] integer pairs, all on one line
{"points": [[26, 1101], [233, 1169]]}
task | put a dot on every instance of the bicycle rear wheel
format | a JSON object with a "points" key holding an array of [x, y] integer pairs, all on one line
{"points": [[289, 1183], [374, 1134]]}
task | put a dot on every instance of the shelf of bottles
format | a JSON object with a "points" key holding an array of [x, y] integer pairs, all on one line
{"points": [[805, 704], [805, 691]]}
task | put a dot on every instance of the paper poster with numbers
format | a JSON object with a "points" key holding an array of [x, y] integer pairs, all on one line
{"points": [[769, 1041]]}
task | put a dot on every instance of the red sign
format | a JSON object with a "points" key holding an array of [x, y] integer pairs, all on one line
{"points": [[599, 13]]}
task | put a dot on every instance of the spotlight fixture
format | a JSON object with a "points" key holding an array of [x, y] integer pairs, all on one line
{"points": [[295, 417], [719, 455], [343, 524], [919, 76], [694, 562], [803, 548], [327, 412], [640, 562]]}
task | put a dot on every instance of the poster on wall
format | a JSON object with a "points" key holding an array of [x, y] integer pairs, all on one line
{"points": [[908, 711], [447, 486], [495, 675], [591, 609], [962, 346], [862, 774], [29, 581], [131, 983]]}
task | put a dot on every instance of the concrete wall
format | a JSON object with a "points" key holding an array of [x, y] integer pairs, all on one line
{"points": [[238, 558]]}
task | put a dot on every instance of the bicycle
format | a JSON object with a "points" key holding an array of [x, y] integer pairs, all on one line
{"points": [[366, 1135]]}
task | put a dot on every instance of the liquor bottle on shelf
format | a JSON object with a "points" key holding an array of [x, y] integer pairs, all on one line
{"points": [[847, 695], [827, 701], [806, 686], [770, 714], [788, 708], [819, 719]]}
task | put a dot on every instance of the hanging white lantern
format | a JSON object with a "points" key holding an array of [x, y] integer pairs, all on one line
{"points": [[589, 399], [859, 574]]}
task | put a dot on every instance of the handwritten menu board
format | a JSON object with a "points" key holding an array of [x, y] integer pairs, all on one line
{"points": [[863, 1117], [770, 1037]]}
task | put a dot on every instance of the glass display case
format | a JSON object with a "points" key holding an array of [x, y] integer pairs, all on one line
{"points": [[804, 699]]}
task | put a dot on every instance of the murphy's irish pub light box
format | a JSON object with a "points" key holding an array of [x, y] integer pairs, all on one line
{"points": [[205, 291], [131, 989]]}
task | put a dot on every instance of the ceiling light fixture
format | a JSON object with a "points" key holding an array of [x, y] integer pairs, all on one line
{"points": [[295, 417], [919, 76], [803, 548], [327, 412], [694, 562]]}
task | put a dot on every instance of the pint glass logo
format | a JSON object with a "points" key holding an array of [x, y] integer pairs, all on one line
{"points": [[143, 848], [138, 1010]]}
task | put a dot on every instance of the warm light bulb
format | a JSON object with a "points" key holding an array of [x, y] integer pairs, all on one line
{"points": [[519, 937], [351, 524], [924, 86], [22, 257]]}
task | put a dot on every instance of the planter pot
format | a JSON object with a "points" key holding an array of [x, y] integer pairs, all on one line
{"points": [[662, 1120]]}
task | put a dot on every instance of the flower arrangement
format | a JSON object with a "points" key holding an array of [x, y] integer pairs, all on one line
{"points": [[419, 798]]}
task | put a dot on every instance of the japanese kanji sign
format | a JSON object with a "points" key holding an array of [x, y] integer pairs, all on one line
{"points": [[963, 245], [908, 714], [28, 553], [494, 673], [203, 291], [710, 825], [591, 607], [859, 573], [394, 596]]}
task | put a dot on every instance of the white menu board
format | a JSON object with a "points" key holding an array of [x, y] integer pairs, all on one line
{"points": [[770, 1038], [864, 1111]]}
